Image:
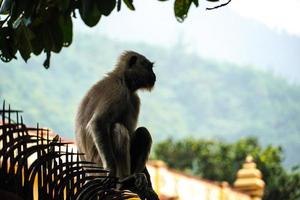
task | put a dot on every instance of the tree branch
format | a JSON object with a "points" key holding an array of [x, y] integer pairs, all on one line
{"points": [[219, 6]]}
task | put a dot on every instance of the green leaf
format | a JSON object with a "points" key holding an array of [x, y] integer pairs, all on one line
{"points": [[37, 42], [196, 3], [56, 35], [25, 7], [52, 36], [64, 5], [129, 4], [5, 6], [47, 61], [24, 36], [89, 12], [47, 40], [66, 26], [7, 47], [106, 6], [17, 22], [181, 8], [119, 5]]}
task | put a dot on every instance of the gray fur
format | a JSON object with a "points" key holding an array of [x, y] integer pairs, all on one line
{"points": [[107, 116]]}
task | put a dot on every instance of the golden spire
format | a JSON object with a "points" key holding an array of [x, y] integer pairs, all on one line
{"points": [[249, 180]]}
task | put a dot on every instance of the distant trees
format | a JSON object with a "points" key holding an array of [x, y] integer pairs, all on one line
{"points": [[220, 161], [46, 26]]}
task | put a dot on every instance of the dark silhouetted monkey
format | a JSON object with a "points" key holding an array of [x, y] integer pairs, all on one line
{"points": [[106, 124]]}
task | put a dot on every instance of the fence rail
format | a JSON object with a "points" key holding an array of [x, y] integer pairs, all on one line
{"points": [[33, 166]]}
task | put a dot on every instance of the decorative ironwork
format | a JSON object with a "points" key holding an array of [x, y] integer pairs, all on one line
{"points": [[33, 166]]}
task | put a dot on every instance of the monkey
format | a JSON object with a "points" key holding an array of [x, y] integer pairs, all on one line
{"points": [[106, 121]]}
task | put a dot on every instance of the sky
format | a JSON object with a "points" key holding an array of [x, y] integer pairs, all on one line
{"points": [[276, 14], [262, 33]]}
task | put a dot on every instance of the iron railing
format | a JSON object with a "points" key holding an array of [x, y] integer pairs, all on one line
{"points": [[33, 166]]}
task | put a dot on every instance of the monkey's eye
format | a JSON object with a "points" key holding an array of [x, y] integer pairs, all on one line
{"points": [[132, 61], [149, 66]]}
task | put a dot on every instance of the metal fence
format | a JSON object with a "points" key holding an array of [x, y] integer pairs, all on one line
{"points": [[33, 166]]}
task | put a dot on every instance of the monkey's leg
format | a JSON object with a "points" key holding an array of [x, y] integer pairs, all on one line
{"points": [[101, 134], [139, 151], [121, 147]]}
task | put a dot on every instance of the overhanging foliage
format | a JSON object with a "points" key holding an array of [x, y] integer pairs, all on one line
{"points": [[36, 26]]}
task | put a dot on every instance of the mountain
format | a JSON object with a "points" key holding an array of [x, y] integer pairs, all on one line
{"points": [[223, 34], [193, 96]]}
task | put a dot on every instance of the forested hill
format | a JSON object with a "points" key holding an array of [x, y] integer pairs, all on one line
{"points": [[193, 96]]}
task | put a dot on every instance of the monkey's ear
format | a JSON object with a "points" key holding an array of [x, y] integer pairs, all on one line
{"points": [[132, 61]]}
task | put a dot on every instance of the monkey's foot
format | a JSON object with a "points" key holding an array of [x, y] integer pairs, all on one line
{"points": [[138, 184], [150, 194], [147, 194]]}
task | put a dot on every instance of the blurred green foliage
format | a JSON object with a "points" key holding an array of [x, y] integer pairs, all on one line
{"points": [[35, 26], [193, 96], [220, 161]]}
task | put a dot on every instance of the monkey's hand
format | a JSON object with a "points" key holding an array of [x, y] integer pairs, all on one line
{"points": [[141, 182], [137, 182]]}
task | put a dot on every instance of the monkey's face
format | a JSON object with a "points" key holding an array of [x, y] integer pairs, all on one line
{"points": [[139, 73]]}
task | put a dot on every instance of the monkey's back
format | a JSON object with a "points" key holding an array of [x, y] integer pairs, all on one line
{"points": [[96, 99]]}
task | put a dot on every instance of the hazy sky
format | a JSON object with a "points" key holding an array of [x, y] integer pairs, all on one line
{"points": [[264, 33], [282, 15], [276, 14]]}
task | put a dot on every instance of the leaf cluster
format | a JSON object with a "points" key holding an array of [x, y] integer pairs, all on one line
{"points": [[35, 26], [220, 161]]}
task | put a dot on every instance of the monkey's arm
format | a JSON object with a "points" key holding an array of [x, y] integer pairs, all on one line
{"points": [[100, 129]]}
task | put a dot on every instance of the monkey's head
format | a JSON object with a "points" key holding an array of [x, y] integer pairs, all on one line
{"points": [[138, 71]]}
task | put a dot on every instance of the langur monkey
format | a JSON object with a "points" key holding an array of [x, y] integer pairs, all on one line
{"points": [[106, 124]]}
